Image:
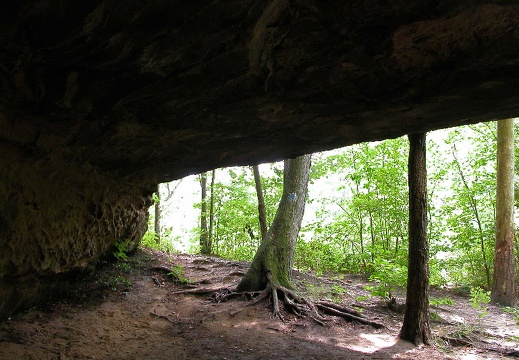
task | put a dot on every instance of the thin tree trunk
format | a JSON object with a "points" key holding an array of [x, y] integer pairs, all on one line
{"points": [[203, 216], [473, 205], [157, 216], [275, 255], [211, 211], [416, 319], [386, 233], [262, 215], [158, 208], [503, 288], [372, 233], [361, 238]]}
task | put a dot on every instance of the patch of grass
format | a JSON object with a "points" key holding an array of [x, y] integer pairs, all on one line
{"points": [[177, 272], [441, 301], [116, 282], [463, 331], [361, 298], [149, 241], [337, 289], [314, 291], [123, 265], [337, 293], [435, 317], [514, 311]]}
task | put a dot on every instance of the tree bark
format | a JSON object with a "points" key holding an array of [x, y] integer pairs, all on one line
{"points": [[158, 208], [274, 258], [157, 216], [204, 249], [503, 288], [262, 216], [416, 320], [211, 211]]}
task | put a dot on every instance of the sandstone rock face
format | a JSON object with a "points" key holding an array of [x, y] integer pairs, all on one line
{"points": [[55, 220], [102, 100]]}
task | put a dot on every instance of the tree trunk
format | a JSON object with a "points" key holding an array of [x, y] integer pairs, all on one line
{"points": [[158, 208], [416, 320], [211, 212], [262, 216], [203, 216], [371, 232], [157, 216], [275, 255], [503, 288]]}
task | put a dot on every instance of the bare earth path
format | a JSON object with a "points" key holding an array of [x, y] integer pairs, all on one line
{"points": [[127, 311]]}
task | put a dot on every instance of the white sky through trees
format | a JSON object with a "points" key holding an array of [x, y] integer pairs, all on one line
{"points": [[182, 218]]}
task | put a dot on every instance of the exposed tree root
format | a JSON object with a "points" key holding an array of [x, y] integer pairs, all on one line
{"points": [[201, 291], [465, 341], [301, 306], [161, 268], [351, 315], [298, 305], [292, 303], [456, 341]]}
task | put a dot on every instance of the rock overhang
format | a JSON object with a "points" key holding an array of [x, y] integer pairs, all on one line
{"points": [[101, 101]]}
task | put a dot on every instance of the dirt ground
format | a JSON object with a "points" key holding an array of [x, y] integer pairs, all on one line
{"points": [[132, 310]]}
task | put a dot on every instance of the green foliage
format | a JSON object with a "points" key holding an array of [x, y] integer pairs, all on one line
{"points": [[441, 301], [435, 317], [319, 256], [177, 272], [337, 293], [514, 311], [338, 289], [236, 233], [478, 299], [361, 298], [388, 277], [470, 209], [124, 266], [149, 241], [116, 282], [365, 217], [464, 331], [361, 207], [121, 247]]}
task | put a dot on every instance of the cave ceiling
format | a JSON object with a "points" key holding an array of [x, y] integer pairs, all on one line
{"points": [[156, 90]]}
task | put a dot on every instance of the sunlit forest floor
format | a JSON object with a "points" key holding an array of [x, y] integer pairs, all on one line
{"points": [[133, 310]]}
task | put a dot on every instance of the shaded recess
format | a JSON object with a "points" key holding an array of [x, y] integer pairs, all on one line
{"points": [[102, 100]]}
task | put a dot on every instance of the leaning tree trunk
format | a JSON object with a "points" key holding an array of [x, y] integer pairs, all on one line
{"points": [[157, 216], [274, 258], [416, 320], [503, 288], [262, 214]]}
